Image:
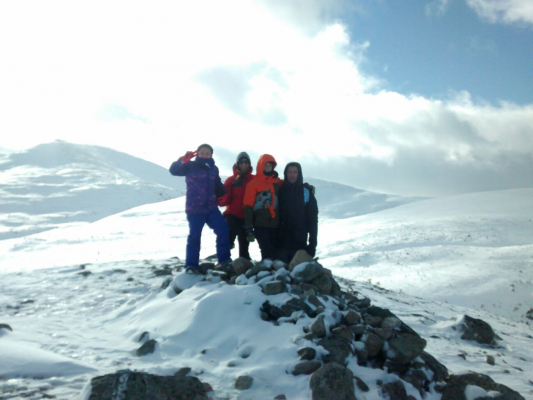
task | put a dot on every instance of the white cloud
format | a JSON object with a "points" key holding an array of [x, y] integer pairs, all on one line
{"points": [[156, 80], [506, 11], [437, 7]]}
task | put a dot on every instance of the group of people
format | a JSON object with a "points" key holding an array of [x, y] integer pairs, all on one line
{"points": [[282, 214]]}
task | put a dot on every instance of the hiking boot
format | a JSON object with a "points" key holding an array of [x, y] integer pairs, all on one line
{"points": [[193, 271]]}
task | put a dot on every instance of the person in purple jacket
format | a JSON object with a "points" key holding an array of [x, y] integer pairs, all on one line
{"points": [[203, 188]]}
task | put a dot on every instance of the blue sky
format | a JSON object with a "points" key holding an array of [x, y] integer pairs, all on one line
{"points": [[417, 50], [411, 97]]}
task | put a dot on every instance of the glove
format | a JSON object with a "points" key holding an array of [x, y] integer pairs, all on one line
{"points": [[188, 156], [249, 230]]}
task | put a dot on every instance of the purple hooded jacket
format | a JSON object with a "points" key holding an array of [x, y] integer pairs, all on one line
{"points": [[203, 184]]}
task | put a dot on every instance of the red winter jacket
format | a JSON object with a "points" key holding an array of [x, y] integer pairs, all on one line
{"points": [[235, 188]]}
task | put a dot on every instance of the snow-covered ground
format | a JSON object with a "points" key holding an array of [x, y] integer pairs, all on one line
{"points": [[430, 261], [62, 184], [68, 327]]}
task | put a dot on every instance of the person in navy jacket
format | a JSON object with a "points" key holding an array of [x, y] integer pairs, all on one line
{"points": [[203, 188]]}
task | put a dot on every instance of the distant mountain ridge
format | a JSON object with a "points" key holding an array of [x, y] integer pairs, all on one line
{"points": [[59, 184]]}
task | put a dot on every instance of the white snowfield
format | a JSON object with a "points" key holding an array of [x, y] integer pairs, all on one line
{"points": [[60, 184], [430, 261]]}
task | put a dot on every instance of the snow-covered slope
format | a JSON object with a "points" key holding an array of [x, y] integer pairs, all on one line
{"points": [[475, 250], [68, 327], [60, 184], [341, 201], [472, 250]]}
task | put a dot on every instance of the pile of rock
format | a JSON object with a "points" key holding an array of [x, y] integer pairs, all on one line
{"points": [[348, 327]]}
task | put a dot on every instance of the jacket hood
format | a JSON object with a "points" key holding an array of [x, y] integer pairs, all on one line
{"points": [[265, 158], [236, 170], [299, 179]]}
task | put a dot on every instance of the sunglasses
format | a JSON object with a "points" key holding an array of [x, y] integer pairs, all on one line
{"points": [[244, 162]]}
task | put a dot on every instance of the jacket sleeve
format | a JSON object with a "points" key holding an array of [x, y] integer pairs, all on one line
{"points": [[312, 223], [248, 203], [179, 168], [220, 190], [226, 199]]}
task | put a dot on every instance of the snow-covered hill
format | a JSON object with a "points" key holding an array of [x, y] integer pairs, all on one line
{"points": [[60, 184], [475, 250]]}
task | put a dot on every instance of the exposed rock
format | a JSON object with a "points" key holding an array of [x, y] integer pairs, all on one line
{"points": [[301, 256], [280, 397], [306, 367], [166, 283], [373, 343], [241, 265], [315, 301], [147, 348], [361, 384], [373, 321], [85, 274], [351, 318], [308, 272], [318, 327], [323, 283], [358, 331], [440, 371], [244, 382], [385, 334], [391, 323], [275, 287], [343, 332], [456, 385], [490, 360], [207, 387], [529, 314], [337, 348], [182, 371], [394, 391], [307, 353], [141, 386], [405, 348], [6, 327], [144, 336], [477, 330], [332, 382]]}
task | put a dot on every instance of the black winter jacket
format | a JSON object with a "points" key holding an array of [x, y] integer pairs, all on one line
{"points": [[298, 218]]}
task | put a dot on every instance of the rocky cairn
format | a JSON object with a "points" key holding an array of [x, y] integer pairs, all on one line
{"points": [[344, 323]]}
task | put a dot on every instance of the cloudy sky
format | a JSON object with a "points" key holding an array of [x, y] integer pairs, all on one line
{"points": [[418, 97]]}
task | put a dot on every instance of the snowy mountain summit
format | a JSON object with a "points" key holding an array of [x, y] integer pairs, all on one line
{"points": [[147, 329], [62, 184]]}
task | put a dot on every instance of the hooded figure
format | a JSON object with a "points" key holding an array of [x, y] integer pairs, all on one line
{"points": [[298, 211], [261, 217], [233, 200]]}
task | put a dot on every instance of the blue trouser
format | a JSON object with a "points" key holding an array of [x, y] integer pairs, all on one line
{"points": [[218, 224]]}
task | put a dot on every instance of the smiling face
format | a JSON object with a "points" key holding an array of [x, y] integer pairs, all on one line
{"points": [[204, 152], [292, 174]]}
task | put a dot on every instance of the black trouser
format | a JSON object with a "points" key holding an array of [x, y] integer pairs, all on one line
{"points": [[268, 242], [236, 230]]}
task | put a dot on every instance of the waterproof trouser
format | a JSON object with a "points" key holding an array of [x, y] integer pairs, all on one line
{"points": [[267, 238], [216, 222], [236, 230]]}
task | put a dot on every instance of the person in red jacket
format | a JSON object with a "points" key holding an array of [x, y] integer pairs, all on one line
{"points": [[233, 200]]}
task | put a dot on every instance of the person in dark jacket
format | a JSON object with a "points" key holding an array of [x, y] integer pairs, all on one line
{"points": [[203, 188], [233, 200], [298, 211]]}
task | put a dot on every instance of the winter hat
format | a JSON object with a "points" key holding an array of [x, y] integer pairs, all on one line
{"points": [[243, 156]]}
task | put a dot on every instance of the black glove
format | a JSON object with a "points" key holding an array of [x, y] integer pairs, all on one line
{"points": [[249, 230]]}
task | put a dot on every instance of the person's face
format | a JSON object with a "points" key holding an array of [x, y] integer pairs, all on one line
{"points": [[292, 174], [204, 152], [244, 165], [268, 167]]}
